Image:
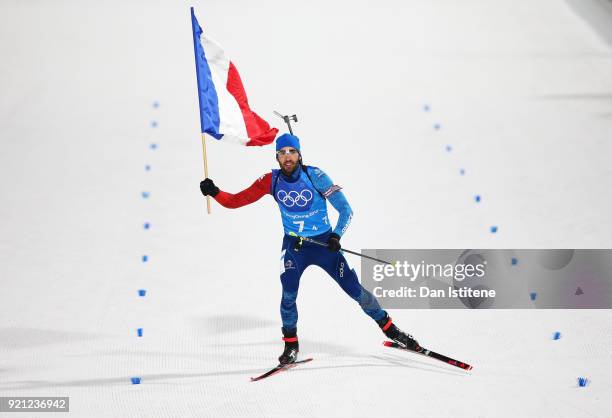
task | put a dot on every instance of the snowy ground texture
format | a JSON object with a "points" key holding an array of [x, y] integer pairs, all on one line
{"points": [[522, 93]]}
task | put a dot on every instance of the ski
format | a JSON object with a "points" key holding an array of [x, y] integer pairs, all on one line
{"points": [[279, 368], [432, 354]]}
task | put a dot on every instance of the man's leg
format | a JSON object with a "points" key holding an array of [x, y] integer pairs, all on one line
{"points": [[337, 267], [291, 271], [292, 266]]}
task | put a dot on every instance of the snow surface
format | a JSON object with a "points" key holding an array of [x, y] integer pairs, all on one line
{"points": [[522, 91]]}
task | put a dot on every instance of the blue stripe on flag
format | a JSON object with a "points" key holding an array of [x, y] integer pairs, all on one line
{"points": [[207, 94]]}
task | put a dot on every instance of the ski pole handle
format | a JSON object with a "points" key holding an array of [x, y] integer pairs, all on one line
{"points": [[314, 241]]}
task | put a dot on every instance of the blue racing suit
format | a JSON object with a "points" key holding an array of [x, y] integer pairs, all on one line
{"points": [[302, 201]]}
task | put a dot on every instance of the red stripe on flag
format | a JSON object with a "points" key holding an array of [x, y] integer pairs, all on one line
{"points": [[258, 130]]}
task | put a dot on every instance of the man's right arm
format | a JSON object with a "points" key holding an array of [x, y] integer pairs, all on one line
{"points": [[253, 193]]}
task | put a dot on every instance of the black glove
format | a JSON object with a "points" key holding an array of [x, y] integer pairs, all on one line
{"points": [[207, 186], [333, 243]]}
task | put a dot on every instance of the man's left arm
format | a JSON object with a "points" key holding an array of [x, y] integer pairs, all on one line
{"points": [[333, 193]]}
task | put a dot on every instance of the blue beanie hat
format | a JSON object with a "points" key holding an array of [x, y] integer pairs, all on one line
{"points": [[287, 140]]}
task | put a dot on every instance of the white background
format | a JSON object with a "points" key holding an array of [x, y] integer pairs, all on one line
{"points": [[522, 91]]}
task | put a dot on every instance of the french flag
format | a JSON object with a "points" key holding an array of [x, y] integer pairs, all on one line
{"points": [[224, 108]]}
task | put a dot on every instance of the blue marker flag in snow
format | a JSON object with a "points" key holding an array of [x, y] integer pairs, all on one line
{"points": [[224, 108]]}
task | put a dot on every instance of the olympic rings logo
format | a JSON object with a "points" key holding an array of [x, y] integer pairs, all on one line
{"points": [[294, 198]]}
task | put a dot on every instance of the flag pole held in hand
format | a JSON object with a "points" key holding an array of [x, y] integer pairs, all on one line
{"points": [[225, 113], [205, 170]]}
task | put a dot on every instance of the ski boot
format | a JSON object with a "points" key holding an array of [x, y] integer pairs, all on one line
{"points": [[392, 332], [292, 347]]}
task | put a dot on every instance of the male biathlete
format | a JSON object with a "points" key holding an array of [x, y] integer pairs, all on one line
{"points": [[301, 193]]}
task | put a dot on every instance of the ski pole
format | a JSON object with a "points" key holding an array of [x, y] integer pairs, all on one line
{"points": [[322, 244]]}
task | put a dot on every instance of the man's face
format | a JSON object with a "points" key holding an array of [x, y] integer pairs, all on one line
{"points": [[287, 158]]}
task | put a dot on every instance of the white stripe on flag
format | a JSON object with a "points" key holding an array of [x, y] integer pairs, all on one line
{"points": [[231, 123]]}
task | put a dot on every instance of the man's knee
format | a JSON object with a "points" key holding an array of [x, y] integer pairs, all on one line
{"points": [[349, 282], [288, 298]]}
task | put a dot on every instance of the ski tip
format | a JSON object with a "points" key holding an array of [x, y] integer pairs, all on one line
{"points": [[469, 368], [387, 343]]}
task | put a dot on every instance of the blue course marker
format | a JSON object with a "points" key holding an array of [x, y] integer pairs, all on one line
{"points": [[477, 198], [145, 195], [426, 108], [145, 258], [557, 335], [533, 295], [578, 291], [135, 380], [142, 292], [583, 381], [155, 104], [514, 261], [449, 148], [139, 332], [153, 146], [147, 167], [147, 225], [154, 124], [462, 172], [437, 126], [493, 229]]}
